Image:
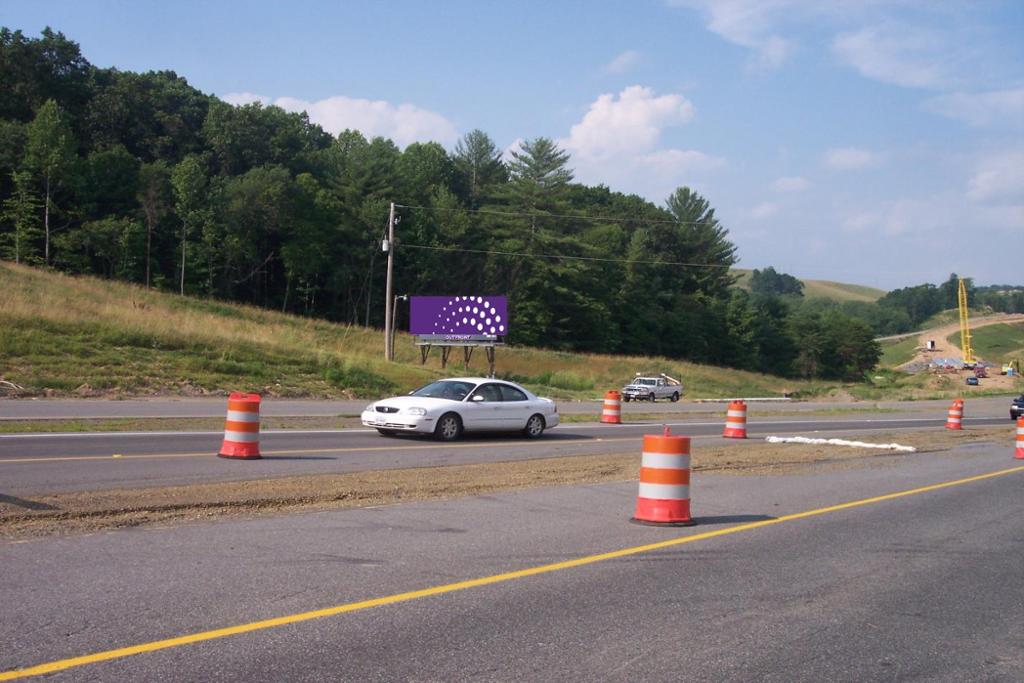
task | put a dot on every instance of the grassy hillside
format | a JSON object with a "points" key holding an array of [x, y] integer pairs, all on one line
{"points": [[898, 352], [824, 289], [62, 335], [996, 343]]}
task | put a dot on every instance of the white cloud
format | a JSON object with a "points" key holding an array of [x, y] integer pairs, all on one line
{"points": [[981, 108], [895, 54], [850, 158], [402, 123], [861, 221], [618, 143], [764, 210], [998, 178], [675, 161], [750, 24], [791, 184], [631, 122], [623, 62], [516, 146], [239, 98]]}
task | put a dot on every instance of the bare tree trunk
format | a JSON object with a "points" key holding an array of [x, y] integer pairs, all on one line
{"points": [[183, 233], [149, 243], [46, 222]]}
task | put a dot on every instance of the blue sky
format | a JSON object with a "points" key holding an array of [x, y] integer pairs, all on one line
{"points": [[879, 143]]}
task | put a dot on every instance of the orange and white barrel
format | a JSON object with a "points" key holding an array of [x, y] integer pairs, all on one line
{"points": [[242, 427], [1019, 454], [736, 421], [612, 411], [955, 417], [664, 495]]}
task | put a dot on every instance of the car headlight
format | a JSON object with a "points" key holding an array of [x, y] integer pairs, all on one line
{"points": [[415, 411], [369, 407]]}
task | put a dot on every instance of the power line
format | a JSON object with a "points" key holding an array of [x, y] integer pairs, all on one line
{"points": [[610, 219], [561, 256]]}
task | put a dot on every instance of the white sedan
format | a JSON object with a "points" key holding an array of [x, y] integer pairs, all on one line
{"points": [[448, 407]]}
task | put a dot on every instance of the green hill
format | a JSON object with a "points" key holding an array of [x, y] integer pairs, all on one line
{"points": [[824, 289], [996, 343], [63, 335]]}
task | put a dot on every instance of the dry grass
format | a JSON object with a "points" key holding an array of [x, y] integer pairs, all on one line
{"points": [[89, 336]]}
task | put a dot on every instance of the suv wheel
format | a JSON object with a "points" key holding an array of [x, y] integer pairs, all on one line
{"points": [[675, 397]]}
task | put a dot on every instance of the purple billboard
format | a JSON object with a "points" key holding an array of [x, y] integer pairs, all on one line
{"points": [[459, 317]]}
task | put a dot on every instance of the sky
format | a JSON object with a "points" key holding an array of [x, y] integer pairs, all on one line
{"points": [[872, 142]]}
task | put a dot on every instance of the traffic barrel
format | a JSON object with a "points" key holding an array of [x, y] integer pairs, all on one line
{"points": [[956, 415], [242, 427], [736, 421], [1019, 455], [612, 411], [664, 495]]}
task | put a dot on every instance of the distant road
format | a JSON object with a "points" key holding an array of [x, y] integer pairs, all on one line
{"points": [[39, 463], [41, 409]]}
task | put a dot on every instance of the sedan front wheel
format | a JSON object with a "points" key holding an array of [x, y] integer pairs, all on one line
{"points": [[448, 428], [534, 427]]}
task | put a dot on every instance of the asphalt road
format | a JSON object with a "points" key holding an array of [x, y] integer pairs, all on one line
{"points": [[43, 409], [775, 583], [44, 463]]}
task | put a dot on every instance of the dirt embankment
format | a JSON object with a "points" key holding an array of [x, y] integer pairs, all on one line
{"points": [[947, 349], [96, 511]]}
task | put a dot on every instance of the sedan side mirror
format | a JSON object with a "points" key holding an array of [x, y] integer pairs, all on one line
{"points": [[478, 398]]}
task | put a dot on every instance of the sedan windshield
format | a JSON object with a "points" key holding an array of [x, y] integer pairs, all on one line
{"points": [[445, 388]]}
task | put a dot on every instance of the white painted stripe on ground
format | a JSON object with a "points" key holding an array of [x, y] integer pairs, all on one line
{"points": [[839, 442]]}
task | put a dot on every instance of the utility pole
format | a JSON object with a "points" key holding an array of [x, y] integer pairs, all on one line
{"points": [[389, 247]]}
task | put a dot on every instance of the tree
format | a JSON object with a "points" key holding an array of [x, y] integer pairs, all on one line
{"points": [[34, 70], [538, 175], [479, 164], [768, 281], [110, 246], [155, 196], [20, 211], [424, 167], [699, 239], [49, 151], [106, 183], [190, 184], [258, 212]]}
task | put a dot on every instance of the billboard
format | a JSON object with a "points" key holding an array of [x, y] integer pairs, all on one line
{"points": [[459, 318]]}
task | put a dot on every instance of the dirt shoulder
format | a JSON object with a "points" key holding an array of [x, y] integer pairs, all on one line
{"points": [[97, 511]]}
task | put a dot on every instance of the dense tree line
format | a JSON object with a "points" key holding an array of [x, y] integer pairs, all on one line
{"points": [[143, 178]]}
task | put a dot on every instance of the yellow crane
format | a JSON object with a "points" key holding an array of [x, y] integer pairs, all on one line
{"points": [[965, 327]]}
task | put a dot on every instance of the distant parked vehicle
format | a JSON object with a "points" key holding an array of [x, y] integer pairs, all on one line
{"points": [[652, 388], [973, 381]]}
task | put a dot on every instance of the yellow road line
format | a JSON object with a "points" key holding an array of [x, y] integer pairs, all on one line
{"points": [[62, 664], [304, 451]]}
